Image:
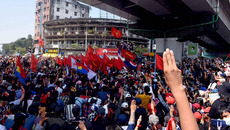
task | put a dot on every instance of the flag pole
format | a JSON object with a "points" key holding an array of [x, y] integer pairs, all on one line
{"points": [[226, 59], [30, 65], [153, 40], [100, 64]]}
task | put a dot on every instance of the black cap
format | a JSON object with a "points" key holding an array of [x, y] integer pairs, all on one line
{"points": [[224, 89]]}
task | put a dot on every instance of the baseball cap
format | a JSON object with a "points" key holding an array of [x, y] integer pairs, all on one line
{"points": [[145, 84], [124, 105], [122, 118], [197, 116], [128, 95], [138, 101]]}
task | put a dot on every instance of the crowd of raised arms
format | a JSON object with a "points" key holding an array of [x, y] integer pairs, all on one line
{"points": [[187, 94]]}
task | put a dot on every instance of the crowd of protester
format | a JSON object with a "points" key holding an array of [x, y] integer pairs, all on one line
{"points": [[188, 94]]}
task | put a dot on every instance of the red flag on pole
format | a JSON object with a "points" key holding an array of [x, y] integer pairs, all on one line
{"points": [[65, 61], [159, 62], [118, 63], [127, 54], [41, 42], [106, 62], [95, 62], [89, 50], [59, 61], [116, 33], [34, 63]]}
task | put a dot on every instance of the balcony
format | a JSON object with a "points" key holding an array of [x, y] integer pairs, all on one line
{"points": [[67, 46]]}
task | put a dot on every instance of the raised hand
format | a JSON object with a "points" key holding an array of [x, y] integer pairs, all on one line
{"points": [[172, 73]]}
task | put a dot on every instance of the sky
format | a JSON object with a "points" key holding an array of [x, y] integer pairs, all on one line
{"points": [[17, 19]]}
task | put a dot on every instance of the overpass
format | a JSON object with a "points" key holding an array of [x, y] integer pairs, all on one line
{"points": [[206, 22]]}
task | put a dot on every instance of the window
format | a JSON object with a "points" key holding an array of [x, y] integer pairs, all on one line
{"points": [[58, 1], [75, 13], [67, 3], [66, 11], [83, 15], [45, 9], [83, 8], [75, 6], [44, 16], [57, 17], [58, 9], [47, 17]]}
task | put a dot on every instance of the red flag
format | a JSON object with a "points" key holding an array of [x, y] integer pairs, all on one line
{"points": [[41, 43], [229, 55], [59, 61], [84, 59], [19, 66], [127, 54], [65, 61], [95, 62], [159, 62], [116, 33], [89, 50], [34, 63], [69, 60], [106, 62], [118, 63]]}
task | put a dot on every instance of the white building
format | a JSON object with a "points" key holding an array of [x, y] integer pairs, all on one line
{"points": [[47, 10], [62, 9]]}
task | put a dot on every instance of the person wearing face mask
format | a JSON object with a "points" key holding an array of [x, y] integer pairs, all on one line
{"points": [[225, 115], [224, 92]]}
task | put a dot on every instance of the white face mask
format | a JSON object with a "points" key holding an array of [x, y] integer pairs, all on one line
{"points": [[227, 121]]}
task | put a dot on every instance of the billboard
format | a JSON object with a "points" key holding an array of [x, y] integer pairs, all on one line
{"points": [[192, 49]]}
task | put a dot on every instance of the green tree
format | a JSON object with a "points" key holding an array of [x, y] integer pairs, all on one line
{"points": [[139, 50], [21, 45]]}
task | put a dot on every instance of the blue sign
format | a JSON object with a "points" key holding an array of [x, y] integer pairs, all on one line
{"points": [[62, 53]]}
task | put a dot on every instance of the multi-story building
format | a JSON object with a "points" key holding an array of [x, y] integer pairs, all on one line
{"points": [[47, 10], [72, 36]]}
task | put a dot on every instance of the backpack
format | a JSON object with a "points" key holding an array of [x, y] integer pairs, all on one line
{"points": [[68, 111]]}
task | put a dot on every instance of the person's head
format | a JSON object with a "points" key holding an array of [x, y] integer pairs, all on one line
{"points": [[19, 120], [122, 119], [197, 116], [138, 101], [76, 111], [146, 89], [224, 111], [14, 109], [153, 120], [33, 109], [100, 114]]}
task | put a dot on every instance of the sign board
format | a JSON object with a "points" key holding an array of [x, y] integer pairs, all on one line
{"points": [[192, 49], [107, 51], [51, 51], [149, 54]]}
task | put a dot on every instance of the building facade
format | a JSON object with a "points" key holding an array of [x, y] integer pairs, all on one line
{"points": [[72, 36], [47, 10]]}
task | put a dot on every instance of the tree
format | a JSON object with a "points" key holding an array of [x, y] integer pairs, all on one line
{"points": [[21, 45], [139, 50]]}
